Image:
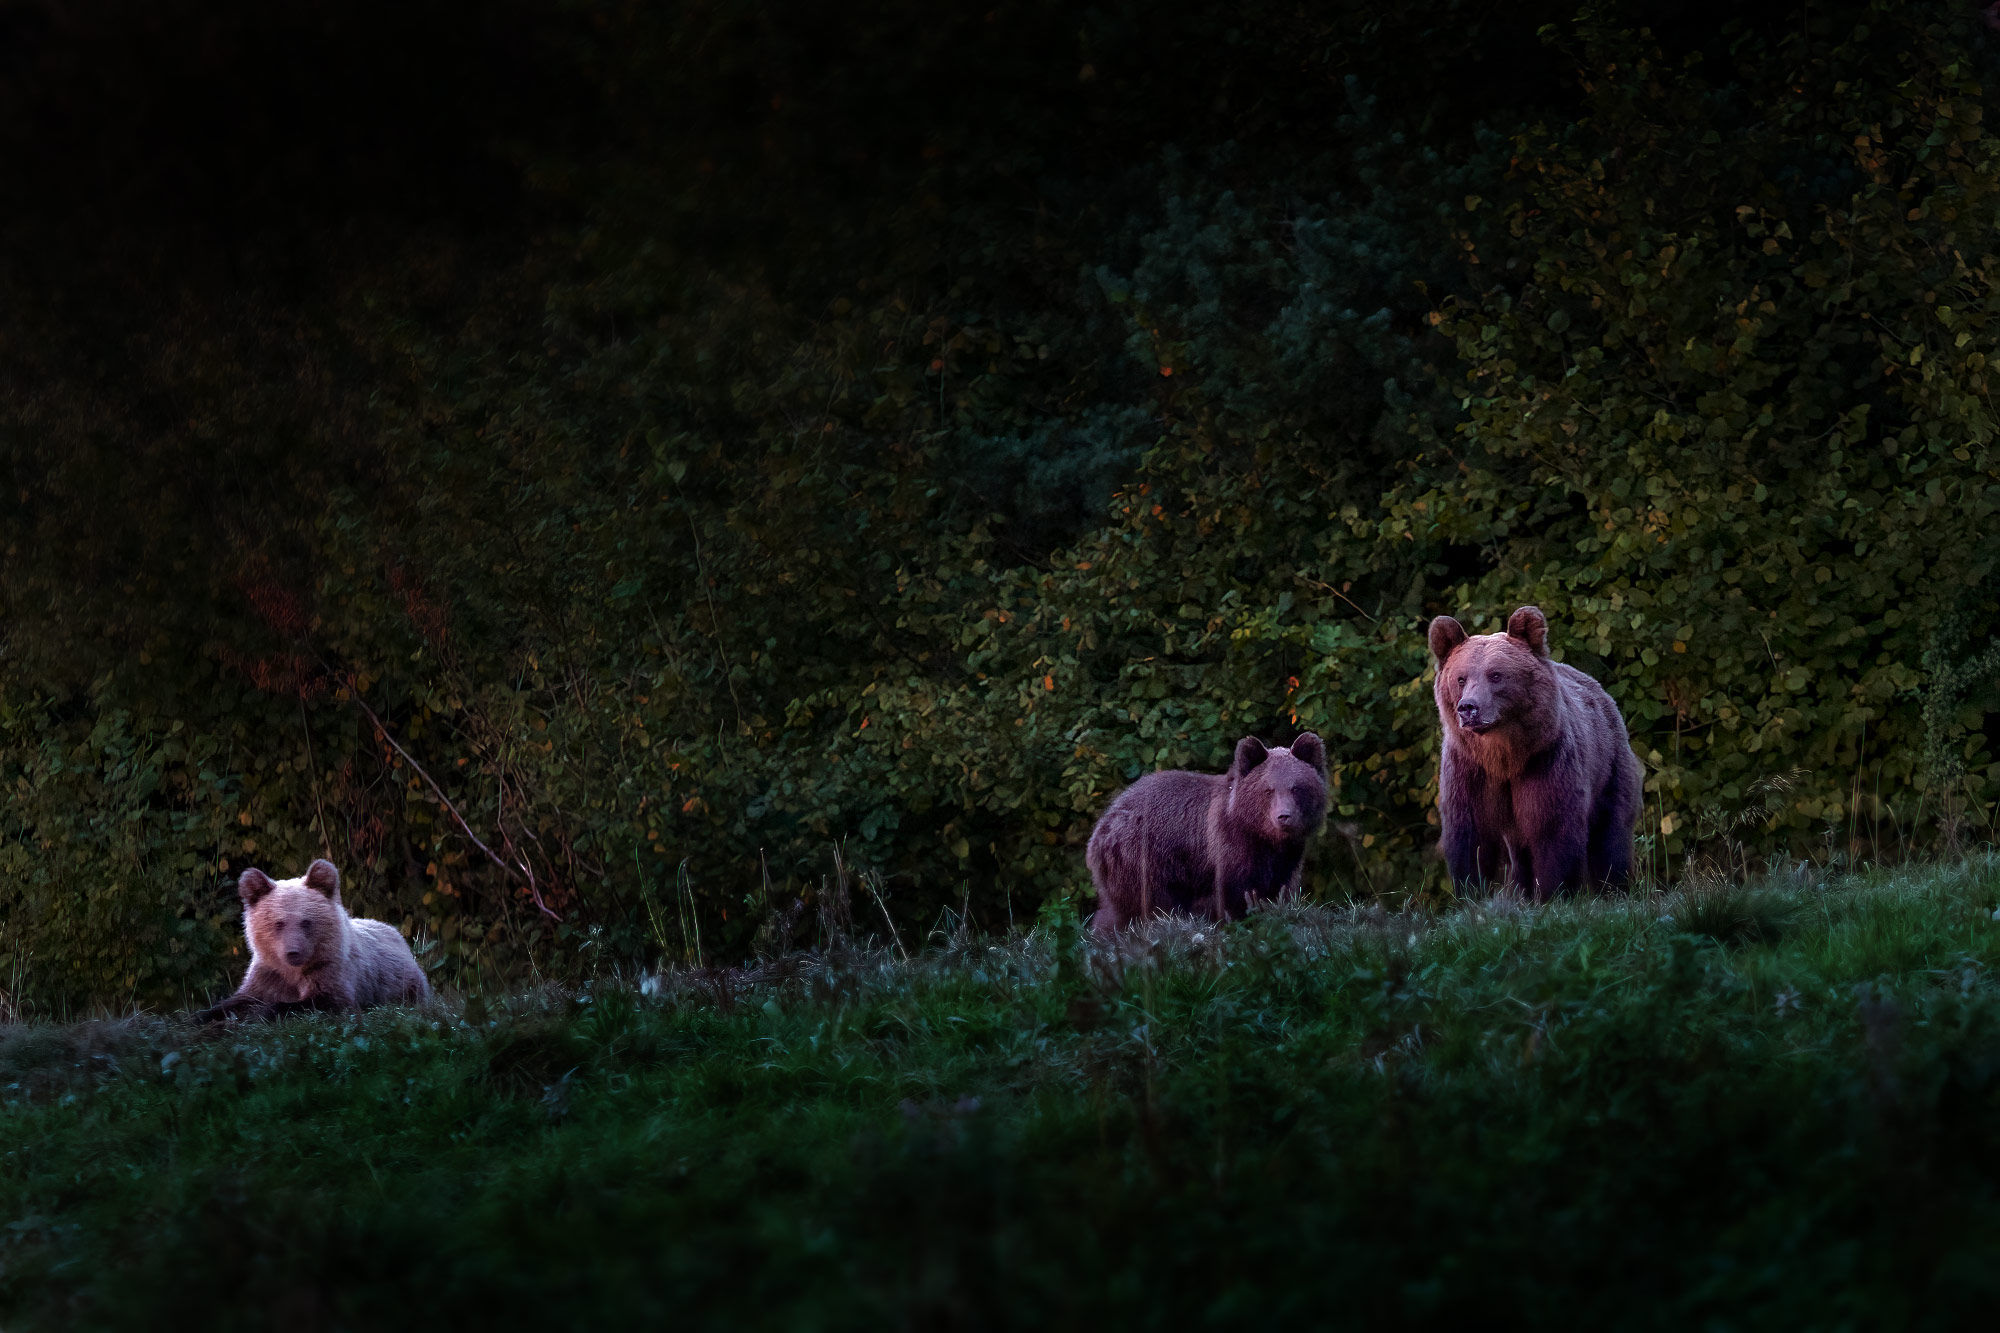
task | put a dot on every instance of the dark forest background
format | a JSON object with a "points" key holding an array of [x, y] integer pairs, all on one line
{"points": [[578, 464]]}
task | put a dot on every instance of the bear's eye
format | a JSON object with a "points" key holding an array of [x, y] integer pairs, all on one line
{"points": [[280, 925], [1461, 680], [1493, 676], [305, 925]]}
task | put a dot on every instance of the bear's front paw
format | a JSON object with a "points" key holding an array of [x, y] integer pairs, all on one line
{"points": [[236, 1006]]}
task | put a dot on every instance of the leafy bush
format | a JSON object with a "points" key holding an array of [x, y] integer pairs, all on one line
{"points": [[1728, 425], [786, 475]]}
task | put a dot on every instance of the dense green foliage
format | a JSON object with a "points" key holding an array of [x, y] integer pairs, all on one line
{"points": [[1767, 1107], [641, 452]]}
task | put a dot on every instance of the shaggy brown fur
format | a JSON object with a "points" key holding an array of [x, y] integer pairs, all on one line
{"points": [[307, 953], [1210, 844], [1538, 783]]}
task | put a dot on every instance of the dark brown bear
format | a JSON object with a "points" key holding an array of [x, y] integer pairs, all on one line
{"points": [[1538, 785], [1209, 844]]}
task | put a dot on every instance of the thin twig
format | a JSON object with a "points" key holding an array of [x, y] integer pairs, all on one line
{"points": [[715, 625], [528, 881], [684, 899], [527, 867], [1317, 583], [871, 881], [325, 843]]}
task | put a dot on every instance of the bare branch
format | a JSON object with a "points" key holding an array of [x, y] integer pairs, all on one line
{"points": [[527, 881]]}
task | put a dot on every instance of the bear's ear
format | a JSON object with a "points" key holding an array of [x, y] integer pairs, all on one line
{"points": [[1312, 750], [1529, 626], [1250, 752], [322, 877], [1446, 634], [252, 885]]}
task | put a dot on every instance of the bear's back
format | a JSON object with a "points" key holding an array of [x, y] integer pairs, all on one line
{"points": [[1172, 795], [1588, 704], [385, 971]]}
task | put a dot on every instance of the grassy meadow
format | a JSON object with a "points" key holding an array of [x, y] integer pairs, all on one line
{"points": [[1721, 1107]]}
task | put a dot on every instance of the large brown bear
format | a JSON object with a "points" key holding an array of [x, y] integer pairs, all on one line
{"points": [[1207, 843], [1538, 783], [306, 952]]}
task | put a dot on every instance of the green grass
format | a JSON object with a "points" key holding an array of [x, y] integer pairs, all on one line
{"points": [[1767, 1107]]}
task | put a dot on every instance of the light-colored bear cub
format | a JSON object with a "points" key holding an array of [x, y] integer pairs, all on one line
{"points": [[307, 953]]}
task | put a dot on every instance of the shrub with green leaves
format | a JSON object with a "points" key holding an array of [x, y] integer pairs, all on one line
{"points": [[795, 476], [1722, 416], [1727, 421]]}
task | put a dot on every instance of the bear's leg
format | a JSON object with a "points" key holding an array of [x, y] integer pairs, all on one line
{"points": [[240, 1004], [311, 1004], [1478, 864], [343, 996], [1559, 859], [1610, 851], [1105, 859], [1521, 871], [247, 1007], [1611, 830], [1461, 848]]}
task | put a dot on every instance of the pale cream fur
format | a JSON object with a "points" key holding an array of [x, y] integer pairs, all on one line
{"points": [[307, 953]]}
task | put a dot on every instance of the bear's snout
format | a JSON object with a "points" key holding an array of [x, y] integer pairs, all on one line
{"points": [[295, 956], [1471, 716], [1286, 817]]}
